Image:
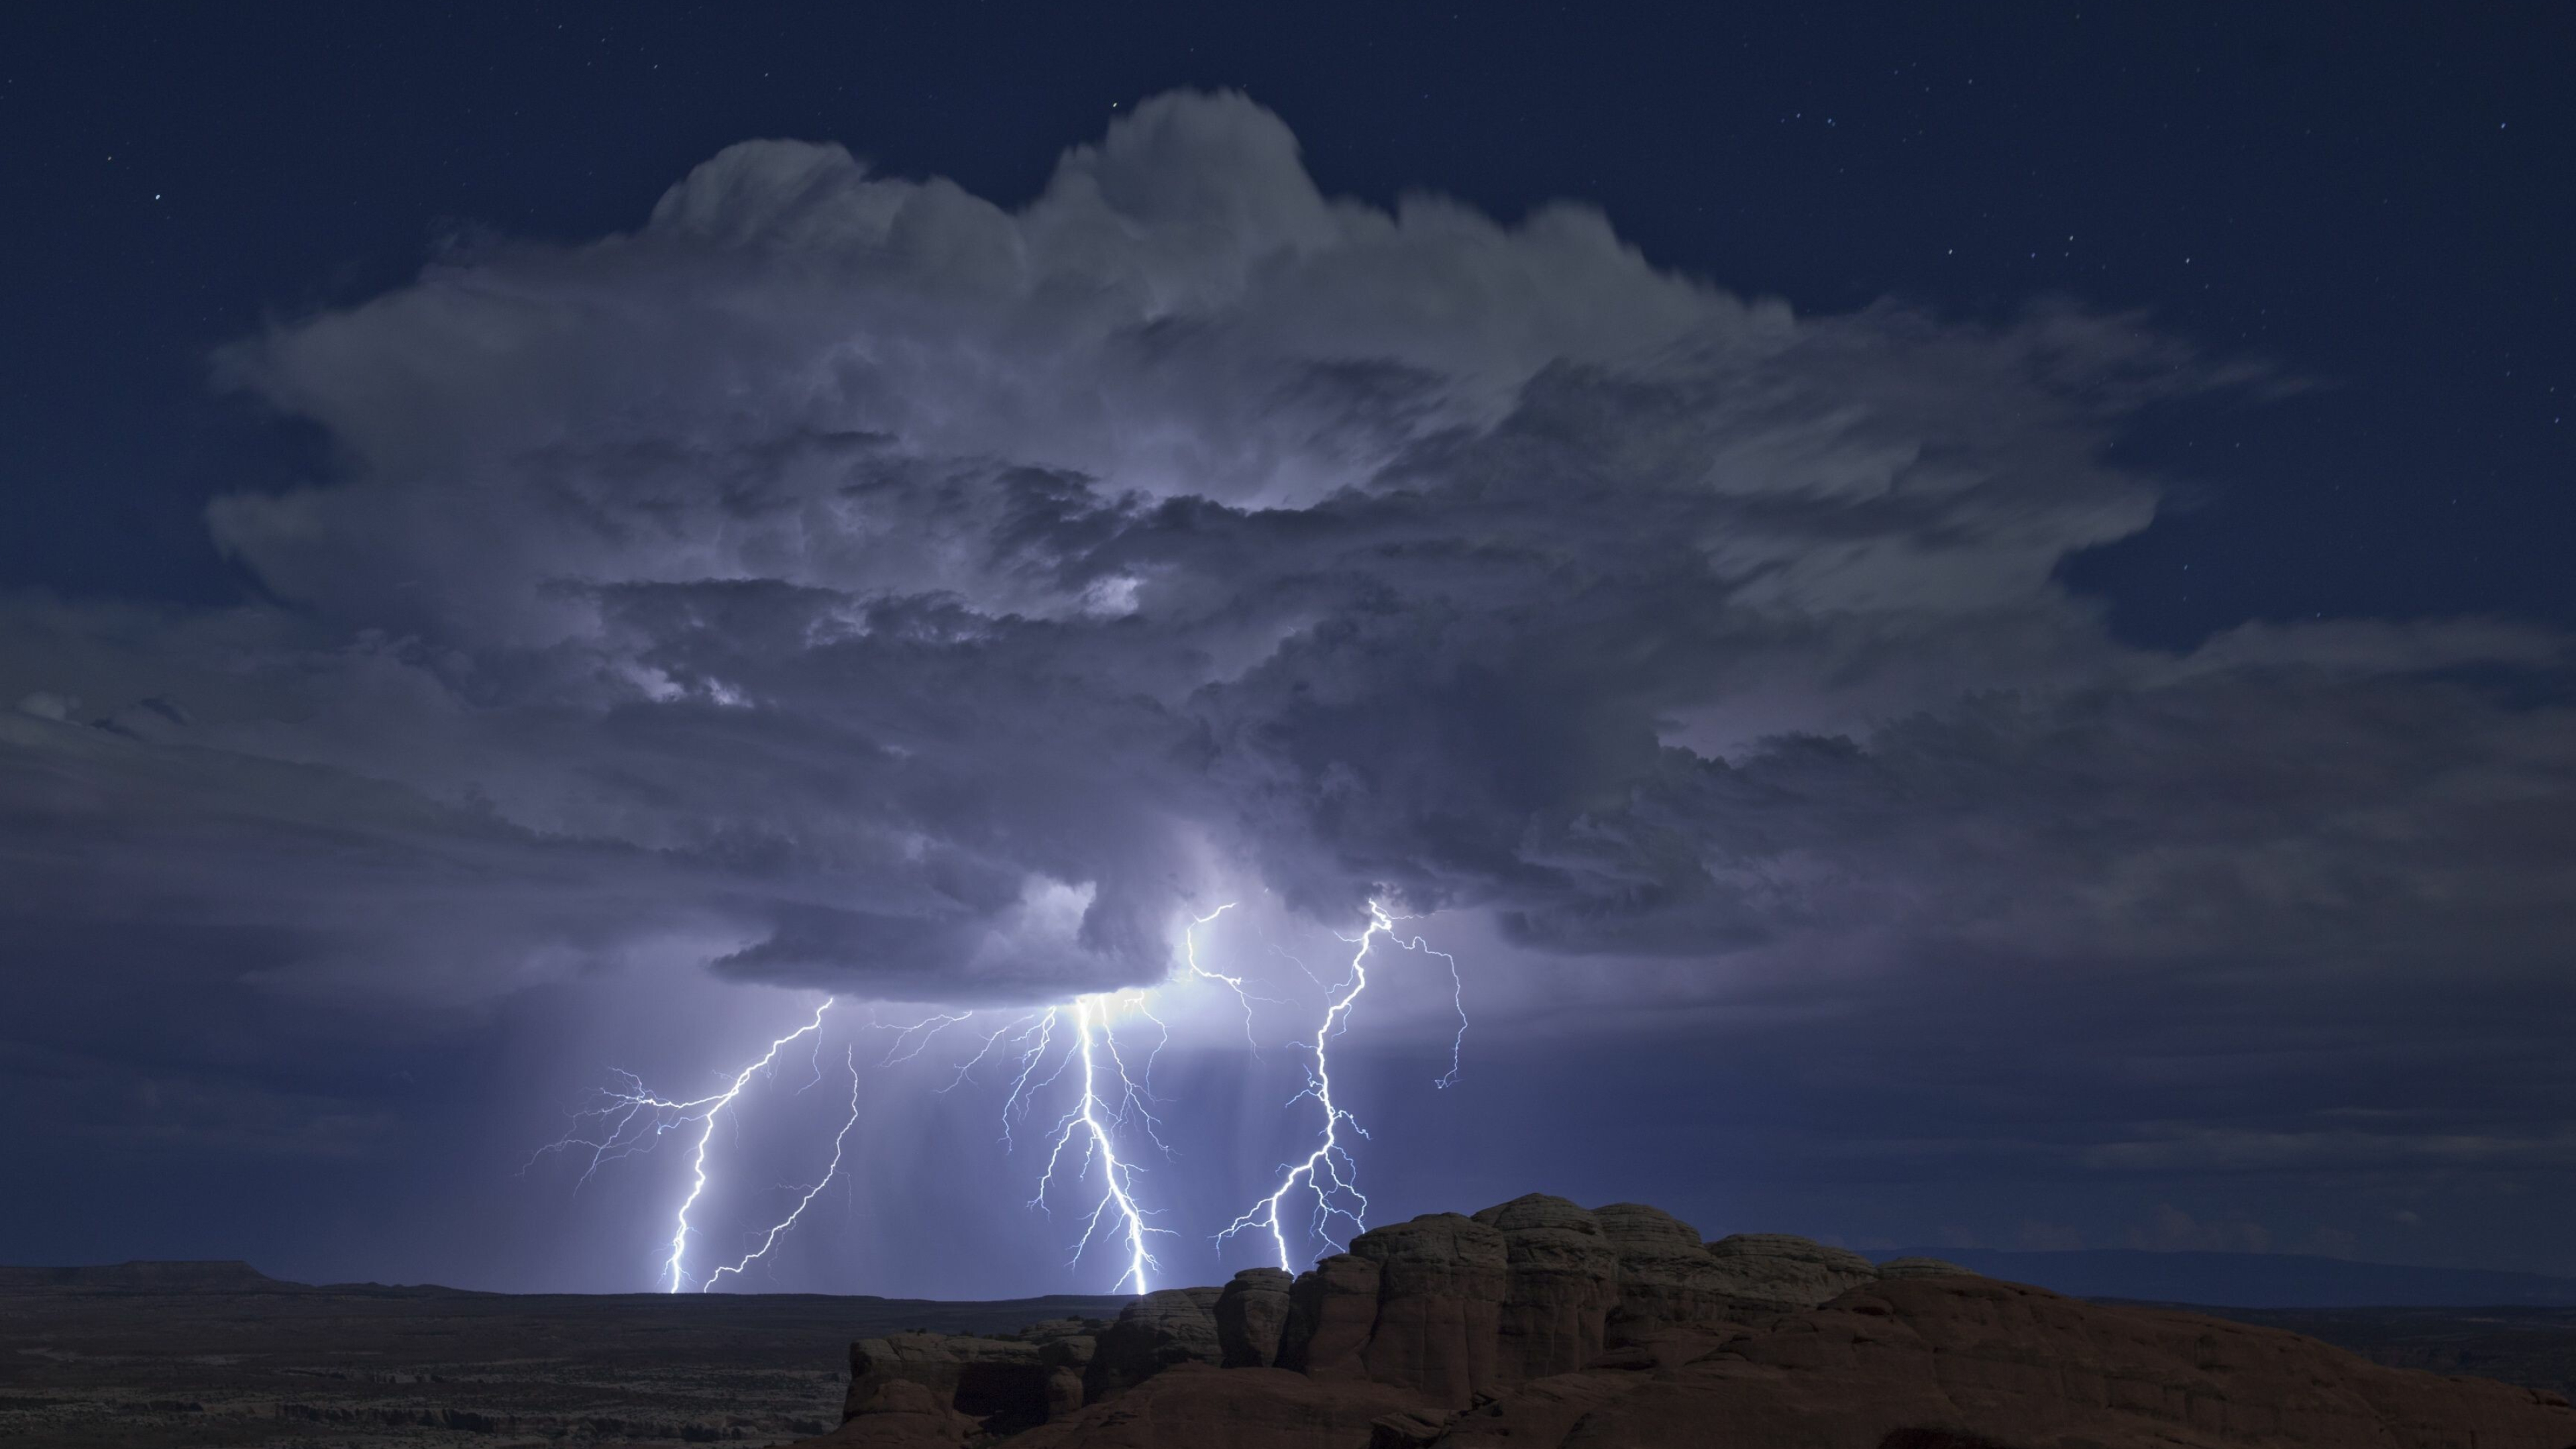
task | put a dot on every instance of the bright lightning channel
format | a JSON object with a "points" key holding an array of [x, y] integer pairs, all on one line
{"points": [[1330, 1162], [1091, 1117], [1329, 1173], [706, 1133]]}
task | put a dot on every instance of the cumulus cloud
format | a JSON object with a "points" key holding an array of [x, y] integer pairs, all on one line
{"points": [[849, 581]]}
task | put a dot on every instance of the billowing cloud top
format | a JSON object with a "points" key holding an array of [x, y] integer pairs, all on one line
{"points": [[852, 582]]}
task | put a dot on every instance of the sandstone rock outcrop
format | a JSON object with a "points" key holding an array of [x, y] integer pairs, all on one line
{"points": [[1561, 1279], [1331, 1309], [1790, 1271], [944, 1388], [1158, 1331], [1539, 1323], [1441, 1280], [1251, 1316], [1665, 1275]]}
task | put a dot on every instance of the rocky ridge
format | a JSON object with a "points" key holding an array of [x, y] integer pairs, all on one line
{"points": [[1540, 1322]]}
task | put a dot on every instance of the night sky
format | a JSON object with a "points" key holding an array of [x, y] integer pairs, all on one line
{"points": [[1961, 623]]}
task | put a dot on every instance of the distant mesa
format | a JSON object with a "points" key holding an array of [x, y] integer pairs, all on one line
{"points": [[147, 1275], [2265, 1280], [1539, 1323]]}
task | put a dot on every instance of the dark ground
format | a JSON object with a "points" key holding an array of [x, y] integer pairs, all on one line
{"points": [[215, 1354], [152, 1355], [2534, 1346]]}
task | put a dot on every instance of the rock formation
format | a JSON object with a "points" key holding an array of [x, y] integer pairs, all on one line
{"points": [[952, 1388], [1540, 1323], [1665, 1275], [1438, 1323], [1561, 1280], [1777, 1268], [1251, 1317], [1157, 1331]]}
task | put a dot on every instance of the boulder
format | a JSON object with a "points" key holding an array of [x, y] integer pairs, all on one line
{"points": [[1781, 1270], [945, 1380], [1251, 1315], [1067, 1357], [1152, 1333], [1561, 1279], [1064, 1394]]}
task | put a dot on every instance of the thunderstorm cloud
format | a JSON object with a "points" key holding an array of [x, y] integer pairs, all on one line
{"points": [[845, 581]]}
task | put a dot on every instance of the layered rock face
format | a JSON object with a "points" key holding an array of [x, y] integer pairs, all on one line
{"points": [[1440, 1286], [1560, 1282], [1158, 1330], [1785, 1271], [1538, 1322], [1455, 1308], [1665, 1275], [1252, 1317]]}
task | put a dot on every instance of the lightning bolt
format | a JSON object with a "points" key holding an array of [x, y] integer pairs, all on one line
{"points": [[1190, 954], [1329, 1173], [1330, 1162], [633, 1119], [636, 1118], [1093, 1039], [715, 1106], [850, 1057], [1457, 993]]}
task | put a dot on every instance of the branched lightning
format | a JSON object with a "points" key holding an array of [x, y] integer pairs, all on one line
{"points": [[850, 1056], [1328, 1173], [967, 1067], [1330, 1162], [1079, 1040], [909, 1041], [1013, 1106], [636, 1117], [1457, 996], [1091, 1116], [1190, 953], [707, 1131]]}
